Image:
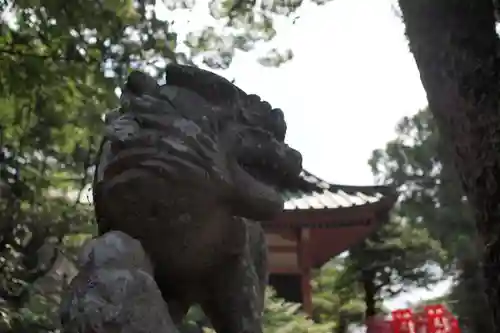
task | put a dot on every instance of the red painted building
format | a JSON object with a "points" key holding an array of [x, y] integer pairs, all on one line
{"points": [[320, 221]]}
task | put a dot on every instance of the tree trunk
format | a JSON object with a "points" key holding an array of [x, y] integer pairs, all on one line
{"points": [[367, 279], [455, 47], [472, 305]]}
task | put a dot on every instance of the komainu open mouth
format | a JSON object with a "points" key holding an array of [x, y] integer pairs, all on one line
{"points": [[275, 171]]}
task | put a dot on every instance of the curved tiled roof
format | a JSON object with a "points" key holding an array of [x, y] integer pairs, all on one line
{"points": [[314, 193]]}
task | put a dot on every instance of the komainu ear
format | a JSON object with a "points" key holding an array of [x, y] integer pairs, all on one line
{"points": [[139, 83], [212, 87]]}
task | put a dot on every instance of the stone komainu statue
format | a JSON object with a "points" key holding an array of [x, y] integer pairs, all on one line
{"points": [[186, 169]]}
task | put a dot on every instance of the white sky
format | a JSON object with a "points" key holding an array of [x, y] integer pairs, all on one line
{"points": [[351, 80]]}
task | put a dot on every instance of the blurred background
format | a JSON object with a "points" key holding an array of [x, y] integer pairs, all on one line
{"points": [[343, 75]]}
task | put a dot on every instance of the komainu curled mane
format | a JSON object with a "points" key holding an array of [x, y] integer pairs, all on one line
{"points": [[186, 168]]}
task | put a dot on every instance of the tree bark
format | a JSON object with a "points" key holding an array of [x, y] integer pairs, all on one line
{"points": [[472, 304], [367, 280], [367, 277], [456, 50]]}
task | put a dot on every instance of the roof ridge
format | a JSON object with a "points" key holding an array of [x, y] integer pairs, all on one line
{"points": [[347, 188]]}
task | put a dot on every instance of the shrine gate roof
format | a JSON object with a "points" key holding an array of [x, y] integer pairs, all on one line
{"points": [[312, 202], [316, 193]]}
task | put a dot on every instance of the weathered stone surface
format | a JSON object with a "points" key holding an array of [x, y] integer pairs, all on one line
{"points": [[186, 169], [114, 292]]}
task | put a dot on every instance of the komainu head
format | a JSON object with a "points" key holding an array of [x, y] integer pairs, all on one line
{"points": [[197, 133]]}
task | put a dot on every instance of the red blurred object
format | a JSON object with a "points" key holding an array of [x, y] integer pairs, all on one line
{"points": [[438, 319], [403, 321], [433, 319], [454, 325]]}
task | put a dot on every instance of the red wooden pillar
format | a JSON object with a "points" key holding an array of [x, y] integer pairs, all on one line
{"points": [[304, 259]]}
